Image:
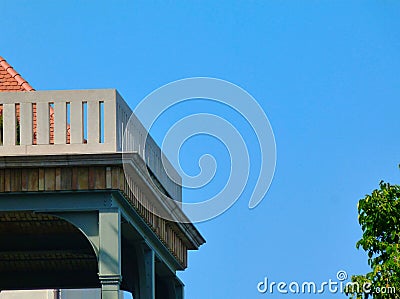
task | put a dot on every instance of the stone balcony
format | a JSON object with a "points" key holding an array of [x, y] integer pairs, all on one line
{"points": [[67, 140], [67, 122]]}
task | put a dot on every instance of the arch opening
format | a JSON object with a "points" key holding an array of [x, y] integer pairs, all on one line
{"points": [[40, 251]]}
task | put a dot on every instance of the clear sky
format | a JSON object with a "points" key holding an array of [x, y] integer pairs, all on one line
{"points": [[325, 72]]}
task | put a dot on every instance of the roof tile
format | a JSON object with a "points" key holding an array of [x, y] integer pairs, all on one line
{"points": [[9, 78]]}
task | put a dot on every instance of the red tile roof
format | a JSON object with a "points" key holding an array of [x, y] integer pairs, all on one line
{"points": [[10, 80]]}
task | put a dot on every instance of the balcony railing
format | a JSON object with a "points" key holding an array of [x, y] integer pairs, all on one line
{"points": [[77, 122]]}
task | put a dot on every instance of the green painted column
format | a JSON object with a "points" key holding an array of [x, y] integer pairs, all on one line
{"points": [[146, 270], [110, 253], [179, 292], [175, 288]]}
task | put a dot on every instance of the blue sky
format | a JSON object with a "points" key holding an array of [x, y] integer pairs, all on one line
{"points": [[325, 72]]}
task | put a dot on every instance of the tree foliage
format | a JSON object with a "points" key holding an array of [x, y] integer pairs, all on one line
{"points": [[379, 217]]}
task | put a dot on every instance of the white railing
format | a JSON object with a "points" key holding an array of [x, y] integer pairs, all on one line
{"points": [[75, 122], [28, 132], [137, 140]]}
